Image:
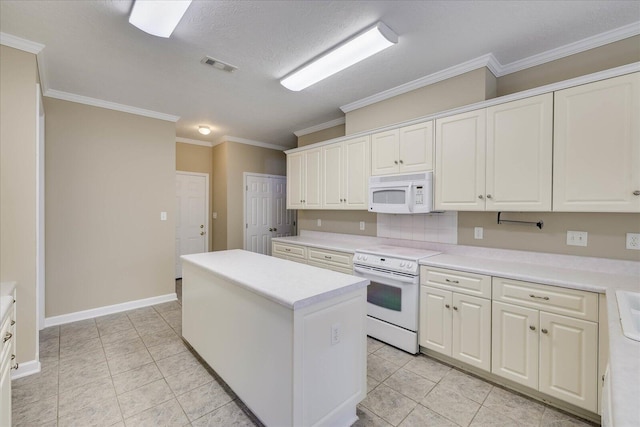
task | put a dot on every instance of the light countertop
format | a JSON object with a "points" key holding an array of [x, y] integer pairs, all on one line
{"points": [[589, 274], [290, 284]]}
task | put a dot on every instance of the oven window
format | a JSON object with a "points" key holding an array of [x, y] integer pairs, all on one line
{"points": [[385, 296], [389, 197]]}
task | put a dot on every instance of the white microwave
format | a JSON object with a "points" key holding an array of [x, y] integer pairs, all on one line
{"points": [[401, 194]]}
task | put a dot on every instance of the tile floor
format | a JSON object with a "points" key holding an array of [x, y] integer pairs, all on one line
{"points": [[133, 369]]}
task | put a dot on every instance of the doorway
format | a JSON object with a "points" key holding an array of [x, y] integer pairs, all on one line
{"points": [[265, 213], [192, 218]]}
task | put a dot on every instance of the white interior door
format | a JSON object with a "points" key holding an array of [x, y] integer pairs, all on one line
{"points": [[266, 213], [192, 191]]}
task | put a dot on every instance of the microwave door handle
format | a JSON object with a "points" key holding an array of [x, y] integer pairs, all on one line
{"points": [[410, 197]]}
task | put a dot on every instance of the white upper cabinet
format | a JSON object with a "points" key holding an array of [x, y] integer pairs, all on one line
{"points": [[404, 150], [345, 174], [460, 162], [519, 155], [498, 158], [597, 146], [303, 179]]}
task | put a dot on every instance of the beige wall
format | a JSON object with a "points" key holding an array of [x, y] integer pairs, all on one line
{"points": [[474, 86], [606, 238], [197, 158], [601, 58], [321, 135], [18, 76], [108, 176], [246, 158]]}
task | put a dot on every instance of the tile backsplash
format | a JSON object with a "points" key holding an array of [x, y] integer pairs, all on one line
{"points": [[433, 227]]}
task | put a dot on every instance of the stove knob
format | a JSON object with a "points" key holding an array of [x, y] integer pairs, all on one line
{"points": [[366, 257], [409, 265], [401, 263], [359, 256]]}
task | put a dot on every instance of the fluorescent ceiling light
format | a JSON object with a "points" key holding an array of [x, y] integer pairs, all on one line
{"points": [[158, 17], [368, 43]]}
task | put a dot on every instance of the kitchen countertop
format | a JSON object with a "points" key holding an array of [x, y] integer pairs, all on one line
{"points": [[589, 274], [301, 286]]}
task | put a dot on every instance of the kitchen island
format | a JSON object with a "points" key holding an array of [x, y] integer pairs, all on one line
{"points": [[289, 339]]}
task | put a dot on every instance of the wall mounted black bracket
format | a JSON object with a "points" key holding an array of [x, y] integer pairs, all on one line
{"points": [[538, 224]]}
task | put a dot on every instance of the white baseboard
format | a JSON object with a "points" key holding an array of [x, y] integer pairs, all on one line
{"points": [[24, 369], [109, 309]]}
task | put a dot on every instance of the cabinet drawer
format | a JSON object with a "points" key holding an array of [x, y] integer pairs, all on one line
{"points": [[333, 258], [458, 281], [568, 302], [288, 251]]}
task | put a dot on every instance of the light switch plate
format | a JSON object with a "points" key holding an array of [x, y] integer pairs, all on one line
{"points": [[478, 233], [361, 225], [319, 222], [577, 238], [163, 216]]}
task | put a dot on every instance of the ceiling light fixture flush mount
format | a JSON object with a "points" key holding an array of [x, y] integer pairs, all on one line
{"points": [[365, 44], [205, 130], [158, 17]]}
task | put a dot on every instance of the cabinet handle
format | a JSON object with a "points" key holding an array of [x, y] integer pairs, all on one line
{"points": [[401, 162], [13, 322], [7, 337], [534, 296], [451, 281], [395, 161], [447, 305], [201, 225], [15, 366], [455, 308], [202, 233], [533, 328], [287, 249], [489, 196], [544, 331], [13, 356], [480, 197], [327, 257], [636, 193]]}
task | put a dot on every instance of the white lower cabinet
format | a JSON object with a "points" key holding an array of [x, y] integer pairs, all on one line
{"points": [[552, 353], [454, 323], [339, 261], [7, 356], [288, 251]]}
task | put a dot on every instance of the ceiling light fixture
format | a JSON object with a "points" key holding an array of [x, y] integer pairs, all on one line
{"points": [[371, 41], [205, 130], [158, 18]]}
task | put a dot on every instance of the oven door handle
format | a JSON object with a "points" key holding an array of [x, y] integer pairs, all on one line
{"points": [[366, 272]]}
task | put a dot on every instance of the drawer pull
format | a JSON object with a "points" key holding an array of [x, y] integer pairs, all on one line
{"points": [[7, 337], [327, 257], [451, 281], [16, 366], [533, 328], [544, 331], [13, 322], [287, 250], [535, 296], [13, 356]]}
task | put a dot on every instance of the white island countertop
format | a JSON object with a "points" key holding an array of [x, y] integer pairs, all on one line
{"points": [[290, 284]]}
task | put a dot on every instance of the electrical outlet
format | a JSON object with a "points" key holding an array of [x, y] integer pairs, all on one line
{"points": [[163, 216], [633, 241], [215, 215], [577, 238], [478, 233], [361, 225], [319, 222], [335, 333]]}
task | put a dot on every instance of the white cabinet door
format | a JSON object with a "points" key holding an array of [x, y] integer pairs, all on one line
{"points": [[596, 165], [355, 173], [385, 152], [569, 360], [332, 176], [313, 181], [435, 319], [514, 347], [460, 162], [519, 155], [416, 148], [472, 330], [295, 180]]}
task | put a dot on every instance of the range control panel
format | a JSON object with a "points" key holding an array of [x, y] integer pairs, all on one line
{"points": [[388, 263]]}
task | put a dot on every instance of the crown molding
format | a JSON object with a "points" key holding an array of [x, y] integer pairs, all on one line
{"points": [[20, 43], [229, 138], [195, 142], [66, 96], [321, 126], [487, 60], [592, 42]]}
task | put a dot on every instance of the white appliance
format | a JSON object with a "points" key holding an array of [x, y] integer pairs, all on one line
{"points": [[401, 194], [394, 293]]}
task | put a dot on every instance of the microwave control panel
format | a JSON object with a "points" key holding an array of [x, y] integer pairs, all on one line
{"points": [[419, 195]]}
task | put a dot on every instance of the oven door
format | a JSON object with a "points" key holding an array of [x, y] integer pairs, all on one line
{"points": [[391, 297]]}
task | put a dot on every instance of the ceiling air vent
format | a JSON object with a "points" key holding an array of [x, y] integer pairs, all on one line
{"points": [[216, 63]]}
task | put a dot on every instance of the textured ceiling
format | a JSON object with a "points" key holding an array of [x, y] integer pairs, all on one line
{"points": [[91, 50]]}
